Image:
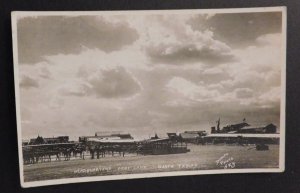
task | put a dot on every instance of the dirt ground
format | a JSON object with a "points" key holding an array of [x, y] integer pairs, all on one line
{"points": [[199, 158]]}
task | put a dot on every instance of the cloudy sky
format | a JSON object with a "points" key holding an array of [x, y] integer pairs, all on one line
{"points": [[149, 73]]}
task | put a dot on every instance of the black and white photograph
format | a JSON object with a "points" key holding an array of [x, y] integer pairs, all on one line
{"points": [[111, 95]]}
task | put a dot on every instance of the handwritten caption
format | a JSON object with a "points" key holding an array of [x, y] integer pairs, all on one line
{"points": [[226, 161], [132, 168]]}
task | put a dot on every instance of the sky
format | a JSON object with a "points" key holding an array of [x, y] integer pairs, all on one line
{"points": [[147, 74]]}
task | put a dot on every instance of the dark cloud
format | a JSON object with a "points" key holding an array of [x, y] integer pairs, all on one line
{"points": [[239, 29], [50, 35], [27, 82], [189, 53], [243, 93], [78, 89], [44, 72], [114, 83]]}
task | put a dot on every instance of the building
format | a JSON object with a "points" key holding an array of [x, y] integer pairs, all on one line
{"points": [[244, 128], [59, 139], [187, 136], [245, 138], [25, 142], [161, 146], [173, 136], [234, 128], [106, 135], [51, 140], [270, 128], [123, 136], [200, 132]]}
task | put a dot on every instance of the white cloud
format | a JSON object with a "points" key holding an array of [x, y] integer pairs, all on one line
{"points": [[213, 71], [243, 93], [74, 88], [272, 95], [191, 90], [270, 39], [265, 56], [116, 83], [27, 82], [170, 40]]}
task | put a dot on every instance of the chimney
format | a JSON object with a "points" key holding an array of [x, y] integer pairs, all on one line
{"points": [[213, 129]]}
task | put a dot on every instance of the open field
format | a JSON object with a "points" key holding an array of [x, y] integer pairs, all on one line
{"points": [[199, 158]]}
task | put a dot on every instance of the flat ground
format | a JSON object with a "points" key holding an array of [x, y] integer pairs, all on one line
{"points": [[199, 158]]}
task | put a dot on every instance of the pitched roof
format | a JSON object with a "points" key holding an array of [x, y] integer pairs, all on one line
{"points": [[112, 140], [246, 135], [189, 135], [253, 127]]}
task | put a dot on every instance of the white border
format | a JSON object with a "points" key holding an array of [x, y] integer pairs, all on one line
{"points": [[281, 168]]}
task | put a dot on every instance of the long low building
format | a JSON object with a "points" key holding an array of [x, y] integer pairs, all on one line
{"points": [[249, 135], [116, 141], [244, 127], [113, 136], [47, 140], [187, 136], [228, 138], [152, 146]]}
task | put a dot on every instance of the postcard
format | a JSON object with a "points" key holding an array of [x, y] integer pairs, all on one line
{"points": [[107, 95]]}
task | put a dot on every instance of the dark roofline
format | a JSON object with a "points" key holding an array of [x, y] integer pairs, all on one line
{"points": [[193, 132]]}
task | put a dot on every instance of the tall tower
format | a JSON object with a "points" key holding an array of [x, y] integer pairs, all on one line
{"points": [[218, 126]]}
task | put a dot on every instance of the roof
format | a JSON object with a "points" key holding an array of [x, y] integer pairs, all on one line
{"points": [[112, 140], [50, 144], [157, 140], [51, 139], [88, 136], [253, 127], [244, 124], [230, 132], [172, 134], [189, 135], [101, 137], [261, 135], [126, 141], [121, 134], [107, 132], [195, 132]]}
